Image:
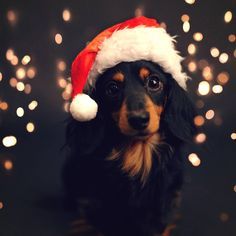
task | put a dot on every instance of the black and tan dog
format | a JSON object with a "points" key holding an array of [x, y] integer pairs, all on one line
{"points": [[126, 163]]}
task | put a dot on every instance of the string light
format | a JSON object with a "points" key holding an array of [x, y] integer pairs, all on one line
{"points": [[210, 114], [33, 105], [25, 60], [198, 36], [186, 26], [20, 73], [20, 86], [1, 205], [3, 106], [61, 65], [192, 49], [185, 17], [31, 72], [234, 188], [8, 165], [194, 159], [13, 82], [66, 15], [200, 138], [223, 58], [217, 89], [190, 1], [20, 111], [9, 141], [11, 17], [30, 127], [27, 89], [58, 38], [203, 88], [233, 136], [232, 38], [1, 76], [192, 66], [228, 16], [199, 120], [207, 73], [215, 52], [223, 78]]}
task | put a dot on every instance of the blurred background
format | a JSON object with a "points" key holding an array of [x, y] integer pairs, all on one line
{"points": [[39, 40]]}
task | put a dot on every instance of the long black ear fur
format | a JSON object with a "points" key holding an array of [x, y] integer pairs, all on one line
{"points": [[179, 113], [84, 138]]}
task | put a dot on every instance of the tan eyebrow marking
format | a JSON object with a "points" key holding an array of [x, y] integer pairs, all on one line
{"points": [[119, 76], [144, 72]]}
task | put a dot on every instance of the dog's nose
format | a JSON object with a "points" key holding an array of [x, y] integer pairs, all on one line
{"points": [[139, 120]]}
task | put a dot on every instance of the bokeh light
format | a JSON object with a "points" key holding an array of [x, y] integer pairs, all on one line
{"points": [[8, 165], [190, 1], [192, 66], [198, 36], [58, 38], [223, 58], [203, 88], [233, 136], [192, 49], [210, 114], [20, 73], [66, 15], [194, 159], [25, 60], [186, 26], [33, 105], [9, 141], [215, 52], [223, 78], [30, 127], [20, 86], [185, 17], [20, 112], [200, 138], [228, 16], [199, 120], [217, 89], [31, 72]]}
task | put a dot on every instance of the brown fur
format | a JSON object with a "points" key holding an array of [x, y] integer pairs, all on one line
{"points": [[144, 73], [119, 76], [137, 156]]}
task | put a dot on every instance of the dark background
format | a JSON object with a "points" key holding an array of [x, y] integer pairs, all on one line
{"points": [[31, 192]]}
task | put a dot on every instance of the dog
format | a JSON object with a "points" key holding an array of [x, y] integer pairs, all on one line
{"points": [[125, 169]]}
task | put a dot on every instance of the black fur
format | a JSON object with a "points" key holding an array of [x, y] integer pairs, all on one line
{"points": [[116, 204]]}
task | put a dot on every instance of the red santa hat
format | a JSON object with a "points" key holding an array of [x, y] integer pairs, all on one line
{"points": [[139, 38]]}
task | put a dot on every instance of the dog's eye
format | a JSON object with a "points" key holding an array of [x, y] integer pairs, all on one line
{"points": [[112, 89], [153, 83]]}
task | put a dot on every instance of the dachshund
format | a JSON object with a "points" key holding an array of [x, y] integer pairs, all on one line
{"points": [[125, 169]]}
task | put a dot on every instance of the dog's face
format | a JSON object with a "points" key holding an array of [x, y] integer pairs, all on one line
{"points": [[134, 93]]}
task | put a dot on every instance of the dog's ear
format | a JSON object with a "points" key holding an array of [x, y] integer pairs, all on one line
{"points": [[85, 137], [179, 112]]}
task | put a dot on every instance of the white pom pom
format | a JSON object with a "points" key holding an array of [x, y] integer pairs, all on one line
{"points": [[83, 108]]}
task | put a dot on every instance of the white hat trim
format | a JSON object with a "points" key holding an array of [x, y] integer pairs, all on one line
{"points": [[139, 43]]}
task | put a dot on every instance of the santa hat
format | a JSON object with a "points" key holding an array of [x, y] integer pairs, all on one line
{"points": [[139, 38]]}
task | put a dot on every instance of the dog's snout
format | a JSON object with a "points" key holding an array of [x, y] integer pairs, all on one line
{"points": [[139, 120]]}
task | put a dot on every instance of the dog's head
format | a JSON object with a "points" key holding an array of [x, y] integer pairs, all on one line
{"points": [[136, 99], [134, 94], [141, 99]]}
